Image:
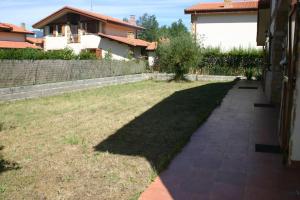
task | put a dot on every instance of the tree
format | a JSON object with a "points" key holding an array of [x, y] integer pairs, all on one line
{"points": [[164, 32], [178, 55], [177, 29], [150, 23]]}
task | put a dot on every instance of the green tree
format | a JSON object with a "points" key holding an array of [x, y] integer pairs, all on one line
{"points": [[178, 55], [164, 32], [177, 29], [150, 23]]}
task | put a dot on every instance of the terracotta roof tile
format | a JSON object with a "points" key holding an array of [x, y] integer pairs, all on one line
{"points": [[13, 28], [250, 5], [17, 45], [152, 46], [87, 13], [129, 41], [35, 40]]}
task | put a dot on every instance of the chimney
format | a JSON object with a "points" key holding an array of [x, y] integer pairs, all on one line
{"points": [[132, 20], [227, 3], [23, 25]]}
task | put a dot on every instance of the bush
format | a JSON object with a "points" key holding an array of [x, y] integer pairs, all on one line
{"points": [[249, 73], [234, 62], [35, 54], [21, 54], [108, 56], [87, 55], [64, 54], [178, 55]]}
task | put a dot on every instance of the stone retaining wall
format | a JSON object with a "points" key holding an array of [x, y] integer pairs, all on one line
{"points": [[33, 91], [26, 72]]}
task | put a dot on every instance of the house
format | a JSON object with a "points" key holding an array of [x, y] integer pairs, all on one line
{"points": [[227, 24], [39, 42], [278, 31], [14, 37], [79, 30]]}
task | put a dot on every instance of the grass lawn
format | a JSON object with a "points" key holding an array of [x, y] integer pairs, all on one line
{"points": [[106, 143]]}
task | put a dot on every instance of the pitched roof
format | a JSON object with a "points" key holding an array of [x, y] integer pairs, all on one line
{"points": [[13, 28], [35, 40], [235, 6], [17, 45], [98, 16], [152, 46], [130, 41]]}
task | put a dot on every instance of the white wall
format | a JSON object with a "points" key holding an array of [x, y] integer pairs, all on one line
{"points": [[55, 43], [227, 30], [151, 58], [90, 41], [119, 51], [86, 42]]}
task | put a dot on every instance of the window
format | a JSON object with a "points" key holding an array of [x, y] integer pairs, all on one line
{"points": [[52, 29], [59, 29], [46, 30]]}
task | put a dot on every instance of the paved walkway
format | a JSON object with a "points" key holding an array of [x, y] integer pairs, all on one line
{"points": [[220, 161]]}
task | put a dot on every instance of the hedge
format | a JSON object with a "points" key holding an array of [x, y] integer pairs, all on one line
{"points": [[234, 62], [35, 54]]}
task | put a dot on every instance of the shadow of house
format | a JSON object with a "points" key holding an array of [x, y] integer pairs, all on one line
{"points": [[6, 165], [161, 132]]}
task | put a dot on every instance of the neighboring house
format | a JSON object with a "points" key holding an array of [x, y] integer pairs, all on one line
{"points": [[151, 53], [39, 42], [225, 24], [84, 30], [279, 32], [14, 37]]}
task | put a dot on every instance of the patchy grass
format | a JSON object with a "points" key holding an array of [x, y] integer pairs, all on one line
{"points": [[106, 143], [72, 139]]}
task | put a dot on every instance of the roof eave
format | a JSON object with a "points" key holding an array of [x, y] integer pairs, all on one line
{"points": [[40, 25], [218, 11]]}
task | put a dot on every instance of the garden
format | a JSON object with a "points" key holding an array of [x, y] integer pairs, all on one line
{"points": [[105, 143], [182, 55]]}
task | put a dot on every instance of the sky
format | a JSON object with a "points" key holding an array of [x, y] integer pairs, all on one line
{"points": [[31, 11]]}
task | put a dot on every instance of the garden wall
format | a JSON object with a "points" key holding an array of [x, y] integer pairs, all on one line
{"points": [[26, 72]]}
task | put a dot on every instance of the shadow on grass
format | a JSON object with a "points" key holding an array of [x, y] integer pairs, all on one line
{"points": [[6, 165], [162, 131]]}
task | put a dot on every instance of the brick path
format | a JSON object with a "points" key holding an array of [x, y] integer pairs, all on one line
{"points": [[220, 161]]}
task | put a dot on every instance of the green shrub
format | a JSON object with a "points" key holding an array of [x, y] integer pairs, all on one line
{"points": [[87, 55], [235, 62], [249, 73], [178, 55], [258, 76], [64, 54], [21, 54], [35, 54], [108, 55]]}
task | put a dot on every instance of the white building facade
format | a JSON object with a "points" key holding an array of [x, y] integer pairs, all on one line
{"points": [[226, 24]]}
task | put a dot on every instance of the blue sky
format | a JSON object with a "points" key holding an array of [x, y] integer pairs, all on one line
{"points": [[31, 11]]}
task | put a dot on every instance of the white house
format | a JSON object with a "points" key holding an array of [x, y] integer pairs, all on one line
{"points": [[225, 24], [84, 30]]}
